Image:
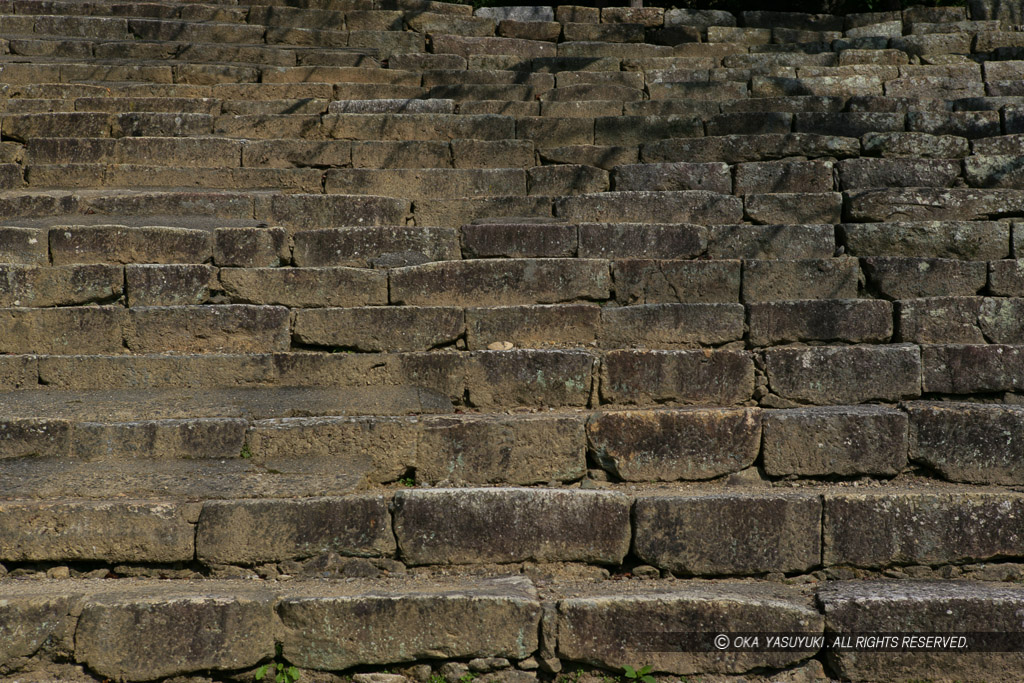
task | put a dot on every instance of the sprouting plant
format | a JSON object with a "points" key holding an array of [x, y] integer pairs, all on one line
{"points": [[408, 482], [246, 453], [467, 677], [641, 675], [283, 672]]}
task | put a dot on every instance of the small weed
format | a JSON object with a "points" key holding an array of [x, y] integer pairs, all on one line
{"points": [[409, 482], [436, 678], [641, 675], [246, 453], [283, 672], [467, 677]]}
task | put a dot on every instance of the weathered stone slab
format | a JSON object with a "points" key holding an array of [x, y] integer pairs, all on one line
{"points": [[968, 441], [409, 621], [843, 440], [940, 320], [689, 377], [533, 326], [768, 242], [118, 244], [495, 282], [31, 436], [235, 328], [969, 369], [83, 329], [1006, 277], [185, 439], [612, 628], [910, 278], [773, 280], [914, 527], [670, 325], [729, 533], [519, 240], [994, 171], [502, 449], [530, 378], [360, 247], [380, 328], [251, 247], [100, 531], [139, 634], [968, 240], [168, 284], [642, 240], [927, 203], [26, 246], [313, 211], [915, 144], [913, 607], [784, 176], [466, 526], [256, 531], [846, 320], [868, 172], [837, 375], [33, 622], [456, 212], [1000, 320], [713, 177], [733, 149], [305, 287], [797, 207], [643, 281], [667, 445], [696, 206], [40, 286]]}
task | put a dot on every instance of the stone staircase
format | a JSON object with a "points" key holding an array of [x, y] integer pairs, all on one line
{"points": [[387, 340]]}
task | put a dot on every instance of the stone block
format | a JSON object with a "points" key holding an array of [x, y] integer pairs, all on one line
{"points": [[530, 378], [25, 246], [251, 247], [642, 240], [671, 325], [713, 177], [909, 278], [970, 369], [168, 284], [518, 240], [842, 440], [79, 329], [35, 286], [119, 244], [915, 145], [784, 176], [233, 328], [768, 280], [837, 375], [361, 247], [669, 445], [835, 320], [968, 442], [380, 328], [867, 172], [770, 209], [305, 287], [766, 242], [729, 534], [533, 326], [706, 208], [683, 377], [967, 240], [646, 281], [467, 526], [927, 203], [940, 320]]}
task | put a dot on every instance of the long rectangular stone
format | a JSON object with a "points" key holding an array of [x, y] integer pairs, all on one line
{"points": [[940, 320], [380, 328], [34, 286], [425, 183], [902, 607], [970, 369], [778, 280], [492, 282], [533, 326], [311, 211], [184, 439], [120, 371], [968, 442], [408, 620], [642, 240], [189, 329], [613, 627], [840, 440], [419, 126], [733, 149], [648, 281], [844, 320], [670, 325], [669, 445], [256, 531], [88, 329], [688, 377], [34, 437], [766, 242], [361, 246], [696, 206], [907, 278], [529, 377], [837, 375], [121, 244], [175, 284], [305, 287], [928, 203], [729, 533], [467, 526], [113, 532], [968, 240]]}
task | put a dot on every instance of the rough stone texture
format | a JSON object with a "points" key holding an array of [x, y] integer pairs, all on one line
{"points": [[518, 240], [311, 211], [968, 369], [642, 240], [713, 177], [927, 203], [488, 449], [117, 244], [257, 531], [168, 285], [100, 531], [940, 320], [33, 286], [767, 242], [359, 247], [611, 628], [644, 281], [842, 440], [305, 287], [168, 439], [784, 176], [1000, 320], [1006, 277], [867, 172], [466, 526], [850, 320], [533, 326], [34, 621], [404, 621], [719, 533], [873, 529], [922, 607], [915, 144], [85, 329], [139, 637], [769, 209], [666, 445], [190, 329], [971, 241], [837, 375], [696, 206], [34, 436], [380, 328], [909, 278], [770, 280], [499, 379], [670, 325], [688, 377], [733, 149], [28, 246], [968, 442]]}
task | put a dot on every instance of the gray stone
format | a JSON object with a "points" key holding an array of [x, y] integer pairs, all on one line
{"points": [[968, 240], [716, 533], [380, 328], [774, 280], [843, 440], [846, 320], [970, 369], [769, 242], [684, 377], [466, 526], [837, 375], [666, 445], [940, 320], [1000, 320], [670, 325], [644, 281]]}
